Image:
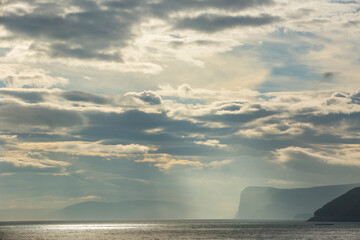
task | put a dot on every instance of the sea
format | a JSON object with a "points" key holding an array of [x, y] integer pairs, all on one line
{"points": [[178, 229]]}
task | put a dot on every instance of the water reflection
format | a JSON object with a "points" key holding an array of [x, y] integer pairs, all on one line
{"points": [[82, 227], [202, 229]]}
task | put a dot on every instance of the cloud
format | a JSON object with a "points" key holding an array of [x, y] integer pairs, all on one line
{"points": [[86, 148], [355, 97], [19, 156], [147, 97], [185, 91], [272, 130], [15, 76], [85, 198], [166, 162], [26, 95], [184, 111], [10, 166], [186, 125], [219, 164], [134, 36], [166, 6], [318, 160], [19, 117], [79, 96], [212, 23], [211, 143], [109, 35], [15, 159], [84, 34], [329, 76]]}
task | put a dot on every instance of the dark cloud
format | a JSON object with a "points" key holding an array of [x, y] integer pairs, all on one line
{"points": [[17, 117], [176, 44], [212, 23], [329, 76], [86, 4], [125, 4], [237, 118], [131, 125], [355, 97], [339, 95], [330, 119], [63, 50], [26, 96], [99, 30], [84, 35], [166, 6], [150, 98], [79, 96]]}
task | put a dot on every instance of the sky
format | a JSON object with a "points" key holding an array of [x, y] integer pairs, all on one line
{"points": [[185, 101]]}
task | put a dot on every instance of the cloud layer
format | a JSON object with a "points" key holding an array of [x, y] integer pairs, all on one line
{"points": [[151, 37], [179, 122]]}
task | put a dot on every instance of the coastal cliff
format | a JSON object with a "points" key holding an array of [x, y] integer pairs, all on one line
{"points": [[274, 203], [345, 208]]}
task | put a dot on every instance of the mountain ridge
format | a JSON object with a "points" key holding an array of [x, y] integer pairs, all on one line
{"points": [[126, 210]]}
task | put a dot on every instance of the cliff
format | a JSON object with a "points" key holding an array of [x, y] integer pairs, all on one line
{"points": [[345, 208], [274, 203]]}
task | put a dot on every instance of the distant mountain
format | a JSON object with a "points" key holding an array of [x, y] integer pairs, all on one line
{"points": [[345, 208], [274, 203], [128, 210], [23, 214]]}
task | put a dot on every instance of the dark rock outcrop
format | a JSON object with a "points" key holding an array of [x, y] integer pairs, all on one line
{"points": [[345, 208], [274, 203]]}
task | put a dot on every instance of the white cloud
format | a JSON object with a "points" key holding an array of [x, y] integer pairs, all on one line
{"points": [[302, 158], [211, 143], [16, 76], [219, 164], [86, 148], [18, 159], [165, 162]]}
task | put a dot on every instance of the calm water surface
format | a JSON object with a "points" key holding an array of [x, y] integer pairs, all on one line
{"points": [[184, 229]]}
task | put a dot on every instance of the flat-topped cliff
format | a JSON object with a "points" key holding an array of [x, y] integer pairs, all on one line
{"points": [[274, 203]]}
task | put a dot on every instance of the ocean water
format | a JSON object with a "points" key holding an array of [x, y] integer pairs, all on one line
{"points": [[179, 229]]}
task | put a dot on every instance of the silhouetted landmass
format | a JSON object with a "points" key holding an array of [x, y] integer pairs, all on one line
{"points": [[345, 208], [274, 203], [125, 211]]}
